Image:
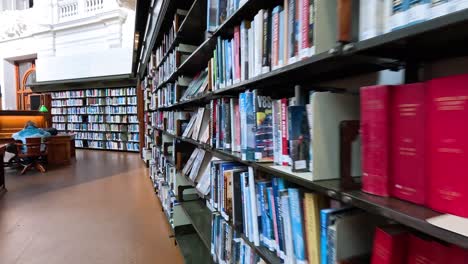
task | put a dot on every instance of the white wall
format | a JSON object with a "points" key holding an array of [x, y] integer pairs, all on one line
{"points": [[8, 87], [93, 64]]}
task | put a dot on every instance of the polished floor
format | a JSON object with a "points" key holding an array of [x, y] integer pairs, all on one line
{"points": [[100, 210]]}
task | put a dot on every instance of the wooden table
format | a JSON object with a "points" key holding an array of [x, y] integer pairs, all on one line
{"points": [[61, 149]]}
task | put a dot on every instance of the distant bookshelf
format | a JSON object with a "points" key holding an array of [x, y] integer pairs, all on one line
{"points": [[101, 118]]}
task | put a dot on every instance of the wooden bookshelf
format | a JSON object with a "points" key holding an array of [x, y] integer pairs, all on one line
{"points": [[90, 113], [407, 48]]}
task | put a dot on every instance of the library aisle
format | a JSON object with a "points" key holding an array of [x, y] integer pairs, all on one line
{"points": [[99, 210]]}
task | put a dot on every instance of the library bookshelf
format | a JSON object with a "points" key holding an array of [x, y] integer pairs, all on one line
{"points": [[169, 107], [103, 119]]}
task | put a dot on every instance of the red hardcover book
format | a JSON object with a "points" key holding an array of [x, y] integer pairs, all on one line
{"points": [[237, 51], [304, 45], [275, 37], [375, 130], [420, 251], [390, 245], [457, 255], [408, 176], [448, 145], [284, 131]]}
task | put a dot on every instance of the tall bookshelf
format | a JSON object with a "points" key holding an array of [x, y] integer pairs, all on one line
{"points": [[344, 57], [103, 119]]}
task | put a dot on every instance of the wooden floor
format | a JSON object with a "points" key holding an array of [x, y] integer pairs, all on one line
{"points": [[100, 210]]}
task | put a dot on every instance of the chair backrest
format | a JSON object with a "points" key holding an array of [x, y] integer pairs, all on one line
{"points": [[33, 146]]}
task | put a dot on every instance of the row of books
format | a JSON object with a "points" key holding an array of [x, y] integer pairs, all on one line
{"points": [[413, 142], [67, 102], [78, 110], [174, 59], [378, 17], [68, 94], [116, 136], [168, 38], [227, 246], [121, 119], [219, 11], [274, 38], [97, 127], [109, 145], [121, 109], [298, 226], [131, 91]]}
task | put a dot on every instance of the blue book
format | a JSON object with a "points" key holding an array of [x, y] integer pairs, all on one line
{"points": [[399, 18], [228, 62], [325, 219], [221, 11], [250, 126], [297, 224], [263, 206], [219, 49], [243, 120], [278, 184], [263, 109], [299, 138], [270, 219]]}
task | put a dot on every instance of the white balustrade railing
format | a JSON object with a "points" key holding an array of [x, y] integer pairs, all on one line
{"points": [[75, 9]]}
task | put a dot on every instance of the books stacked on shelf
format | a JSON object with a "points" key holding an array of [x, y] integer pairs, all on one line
{"points": [[95, 93], [68, 94], [298, 226], [227, 246], [96, 101], [67, 102], [197, 86], [410, 128], [115, 101], [166, 96], [397, 244], [379, 17], [198, 128], [170, 37], [275, 37], [96, 119], [58, 119], [58, 111], [93, 112], [173, 122], [219, 11]]}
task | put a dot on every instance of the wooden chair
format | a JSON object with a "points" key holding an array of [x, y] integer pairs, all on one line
{"points": [[33, 156]]}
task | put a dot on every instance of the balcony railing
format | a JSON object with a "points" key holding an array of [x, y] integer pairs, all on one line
{"points": [[76, 9]]}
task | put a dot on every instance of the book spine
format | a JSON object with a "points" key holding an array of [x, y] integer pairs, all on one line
{"points": [[323, 236], [281, 37], [448, 145], [274, 236], [291, 30], [297, 224], [244, 66], [399, 18], [418, 11], [251, 126], [227, 124], [243, 120], [261, 186], [275, 38], [254, 210], [278, 185], [237, 54], [304, 28], [284, 132], [408, 138], [288, 234], [375, 123]]}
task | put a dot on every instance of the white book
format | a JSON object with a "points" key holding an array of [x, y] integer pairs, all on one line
{"points": [[371, 20], [258, 42], [440, 8], [196, 164], [198, 122], [189, 129], [205, 135], [204, 180], [185, 48], [418, 11], [460, 4], [288, 236], [188, 165], [253, 207], [399, 15], [244, 66], [250, 49], [205, 124]]}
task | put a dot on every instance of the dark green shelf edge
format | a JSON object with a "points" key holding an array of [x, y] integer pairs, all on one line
{"points": [[200, 217], [403, 212], [192, 249]]}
